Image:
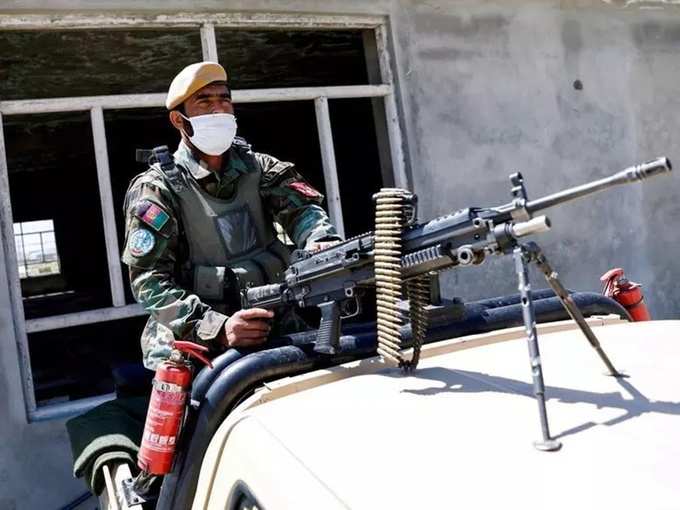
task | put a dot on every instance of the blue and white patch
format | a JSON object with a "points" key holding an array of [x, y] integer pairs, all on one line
{"points": [[141, 242]]}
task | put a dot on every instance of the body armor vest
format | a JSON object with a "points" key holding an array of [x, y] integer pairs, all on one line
{"points": [[228, 235]]}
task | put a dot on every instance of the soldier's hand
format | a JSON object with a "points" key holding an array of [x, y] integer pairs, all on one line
{"points": [[247, 327]]}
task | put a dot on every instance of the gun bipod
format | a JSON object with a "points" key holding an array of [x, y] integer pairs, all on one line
{"points": [[538, 257], [523, 255]]}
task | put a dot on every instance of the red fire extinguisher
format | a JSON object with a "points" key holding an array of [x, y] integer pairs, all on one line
{"points": [[626, 293], [171, 386]]}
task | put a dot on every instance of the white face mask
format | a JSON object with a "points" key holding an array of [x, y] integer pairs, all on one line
{"points": [[213, 133]]}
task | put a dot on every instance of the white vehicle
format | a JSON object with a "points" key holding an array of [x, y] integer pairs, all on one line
{"points": [[458, 432], [295, 426]]}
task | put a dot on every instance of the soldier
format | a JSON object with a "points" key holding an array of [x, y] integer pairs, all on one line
{"points": [[200, 227]]}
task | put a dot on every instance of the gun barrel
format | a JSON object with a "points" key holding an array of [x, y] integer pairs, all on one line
{"points": [[635, 173]]}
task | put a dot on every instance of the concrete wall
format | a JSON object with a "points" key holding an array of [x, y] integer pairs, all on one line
{"points": [[491, 91], [35, 459], [486, 88]]}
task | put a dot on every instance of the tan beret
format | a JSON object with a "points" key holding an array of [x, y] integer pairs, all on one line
{"points": [[192, 78]]}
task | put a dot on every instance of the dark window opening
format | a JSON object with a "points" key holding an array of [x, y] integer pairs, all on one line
{"points": [[52, 174], [358, 161], [291, 58], [85, 361], [72, 63], [126, 131]]}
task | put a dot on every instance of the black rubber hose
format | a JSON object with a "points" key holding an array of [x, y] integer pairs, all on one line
{"points": [[359, 332], [511, 299], [207, 375], [480, 319]]}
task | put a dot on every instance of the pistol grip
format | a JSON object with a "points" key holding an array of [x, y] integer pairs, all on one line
{"points": [[328, 337]]}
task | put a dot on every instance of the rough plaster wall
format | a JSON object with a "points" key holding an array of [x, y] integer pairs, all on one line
{"points": [[486, 89], [491, 89], [35, 460]]}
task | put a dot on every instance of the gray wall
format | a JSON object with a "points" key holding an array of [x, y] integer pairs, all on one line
{"points": [[35, 460], [491, 91], [486, 88]]}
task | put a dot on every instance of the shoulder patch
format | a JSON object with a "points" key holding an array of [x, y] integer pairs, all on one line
{"points": [[151, 214], [141, 242], [304, 189]]}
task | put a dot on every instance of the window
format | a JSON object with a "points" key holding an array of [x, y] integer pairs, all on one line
{"points": [[74, 63], [77, 102], [52, 174], [291, 58], [36, 249]]}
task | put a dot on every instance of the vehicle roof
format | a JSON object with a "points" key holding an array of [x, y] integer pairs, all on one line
{"points": [[459, 430]]}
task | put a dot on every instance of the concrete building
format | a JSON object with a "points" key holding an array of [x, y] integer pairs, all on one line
{"points": [[445, 97]]}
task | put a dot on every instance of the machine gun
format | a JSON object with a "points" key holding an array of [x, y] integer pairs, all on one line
{"points": [[404, 254]]}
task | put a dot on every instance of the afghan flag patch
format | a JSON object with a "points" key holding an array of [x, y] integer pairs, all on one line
{"points": [[152, 215], [304, 189]]}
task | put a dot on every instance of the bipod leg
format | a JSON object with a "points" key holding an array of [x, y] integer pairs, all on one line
{"points": [[521, 267], [562, 294]]}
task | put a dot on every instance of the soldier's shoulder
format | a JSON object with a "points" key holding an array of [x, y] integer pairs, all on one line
{"points": [[150, 185], [152, 176], [273, 169]]}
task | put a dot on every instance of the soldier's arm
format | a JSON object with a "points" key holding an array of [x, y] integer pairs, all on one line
{"points": [[151, 249], [295, 204]]}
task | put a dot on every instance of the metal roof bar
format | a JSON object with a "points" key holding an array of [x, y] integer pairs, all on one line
{"points": [[80, 318], [209, 42], [13, 280], [68, 409], [108, 213], [190, 20], [71, 104], [330, 170]]}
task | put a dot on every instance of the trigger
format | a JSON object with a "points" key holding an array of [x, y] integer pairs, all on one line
{"points": [[350, 308]]}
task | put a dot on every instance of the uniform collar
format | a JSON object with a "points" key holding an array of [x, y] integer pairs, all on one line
{"points": [[185, 158]]}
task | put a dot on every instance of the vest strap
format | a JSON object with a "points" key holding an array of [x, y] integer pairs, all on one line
{"points": [[245, 152], [161, 158]]}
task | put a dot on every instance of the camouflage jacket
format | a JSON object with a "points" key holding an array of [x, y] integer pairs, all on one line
{"points": [[155, 266]]}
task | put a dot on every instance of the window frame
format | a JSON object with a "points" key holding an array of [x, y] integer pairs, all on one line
{"points": [[381, 86]]}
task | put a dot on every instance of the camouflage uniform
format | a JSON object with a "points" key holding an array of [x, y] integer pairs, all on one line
{"points": [[160, 276]]}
